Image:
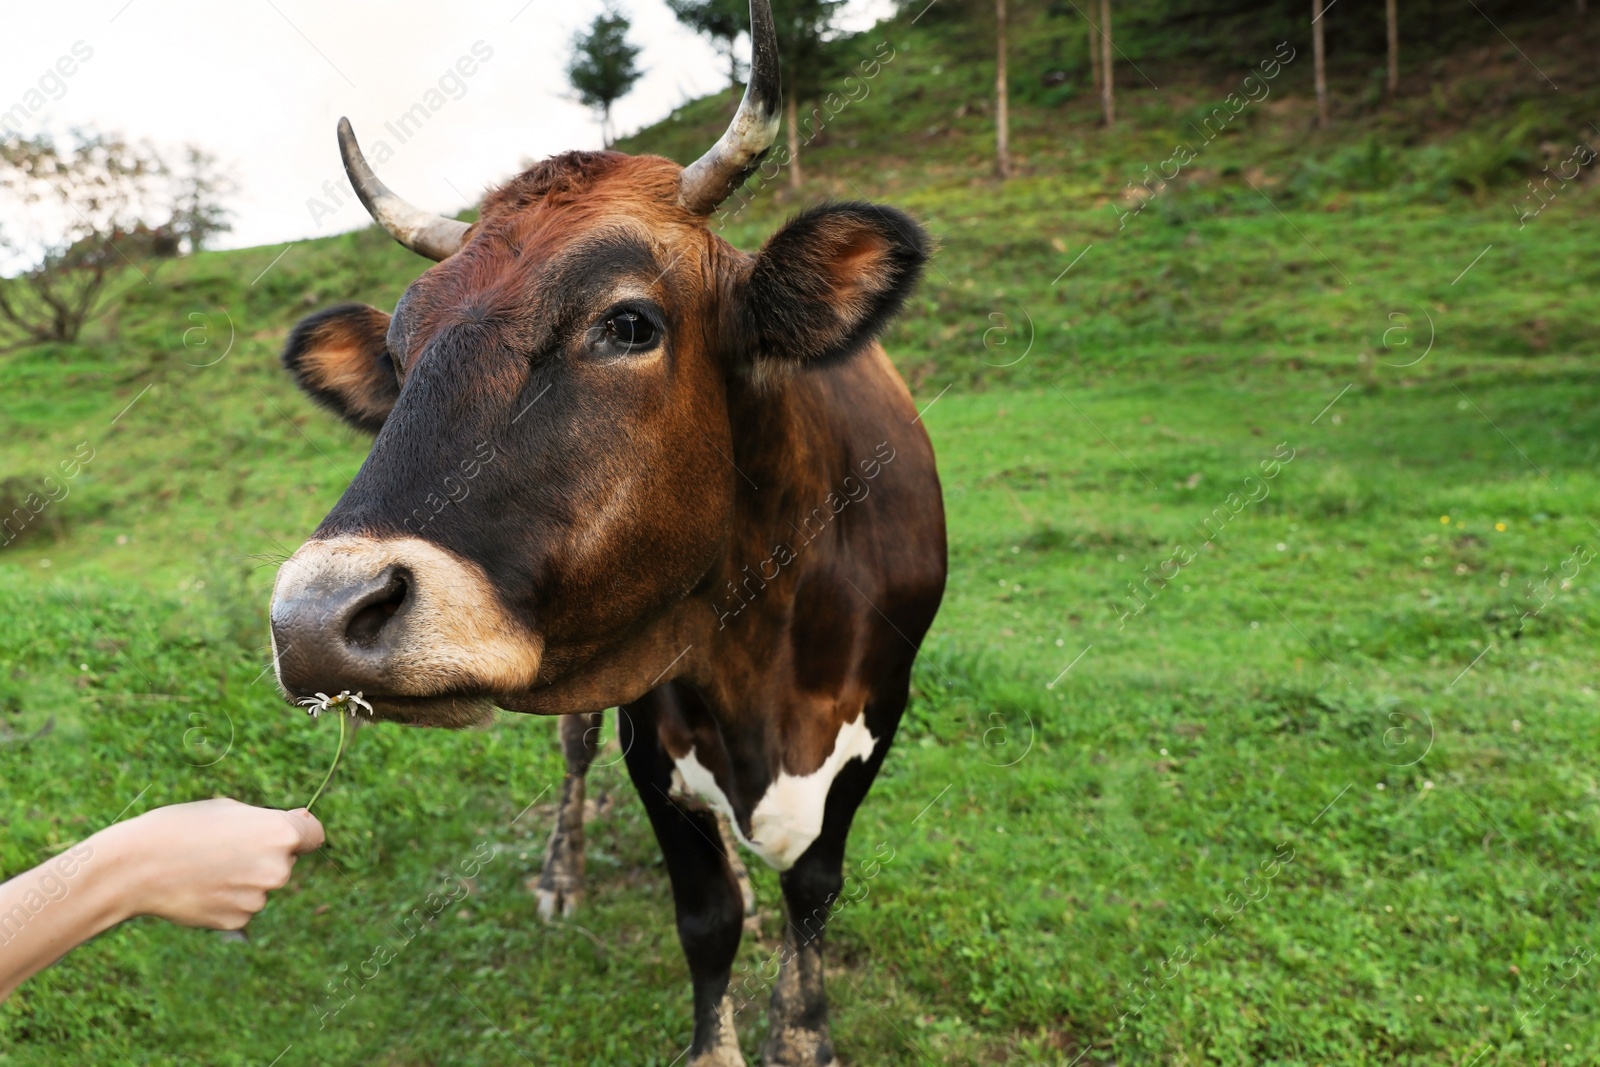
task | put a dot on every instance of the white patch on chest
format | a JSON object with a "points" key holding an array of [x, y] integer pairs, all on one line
{"points": [[789, 815]]}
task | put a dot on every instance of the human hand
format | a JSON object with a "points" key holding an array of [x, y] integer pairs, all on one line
{"points": [[209, 863]]}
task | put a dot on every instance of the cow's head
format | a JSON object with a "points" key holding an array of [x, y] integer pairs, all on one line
{"points": [[552, 468]]}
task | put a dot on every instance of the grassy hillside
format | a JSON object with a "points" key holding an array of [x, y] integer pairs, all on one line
{"points": [[1326, 796], [1390, 205]]}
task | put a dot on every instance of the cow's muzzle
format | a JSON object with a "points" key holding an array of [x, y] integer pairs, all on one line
{"points": [[415, 628]]}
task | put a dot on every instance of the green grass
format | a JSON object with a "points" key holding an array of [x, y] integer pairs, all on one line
{"points": [[1342, 676], [1045, 849]]}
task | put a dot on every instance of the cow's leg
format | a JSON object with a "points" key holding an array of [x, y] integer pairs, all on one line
{"points": [[560, 887], [797, 1032], [741, 873], [705, 894]]}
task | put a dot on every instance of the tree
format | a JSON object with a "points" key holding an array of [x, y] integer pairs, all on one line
{"points": [[803, 27], [604, 66], [199, 189], [1391, 20], [1319, 61], [89, 205], [1094, 53], [720, 20], [1002, 115], [1108, 103]]}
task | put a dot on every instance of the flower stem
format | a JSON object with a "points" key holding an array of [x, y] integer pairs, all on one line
{"points": [[336, 754]]}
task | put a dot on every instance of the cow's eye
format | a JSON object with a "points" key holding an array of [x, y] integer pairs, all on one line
{"points": [[627, 331]]}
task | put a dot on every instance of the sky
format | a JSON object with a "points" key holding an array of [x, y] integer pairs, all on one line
{"points": [[261, 84]]}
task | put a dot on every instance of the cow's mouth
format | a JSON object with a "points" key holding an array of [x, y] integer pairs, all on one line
{"points": [[416, 629], [454, 712]]}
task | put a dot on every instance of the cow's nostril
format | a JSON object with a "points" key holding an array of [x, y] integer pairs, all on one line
{"points": [[369, 619]]}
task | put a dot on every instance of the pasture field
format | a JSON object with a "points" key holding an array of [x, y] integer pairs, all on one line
{"points": [[1326, 796]]}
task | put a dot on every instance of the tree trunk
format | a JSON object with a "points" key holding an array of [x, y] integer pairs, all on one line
{"points": [[1392, 17], [792, 120], [1094, 55], [1002, 115], [1108, 104], [1319, 62]]}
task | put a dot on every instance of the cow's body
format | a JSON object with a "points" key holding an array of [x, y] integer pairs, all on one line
{"points": [[783, 724], [621, 464]]}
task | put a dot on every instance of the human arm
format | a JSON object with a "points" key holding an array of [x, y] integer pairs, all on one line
{"points": [[208, 863]]}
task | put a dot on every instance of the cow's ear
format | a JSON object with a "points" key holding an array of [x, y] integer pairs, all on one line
{"points": [[827, 283], [340, 357]]}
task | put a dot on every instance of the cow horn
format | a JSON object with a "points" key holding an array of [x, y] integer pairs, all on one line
{"points": [[423, 232], [712, 178]]}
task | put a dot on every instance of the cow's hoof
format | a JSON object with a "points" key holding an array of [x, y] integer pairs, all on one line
{"points": [[794, 1046], [559, 888], [558, 902]]}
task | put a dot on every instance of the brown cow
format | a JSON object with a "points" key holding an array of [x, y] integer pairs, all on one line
{"points": [[620, 463]]}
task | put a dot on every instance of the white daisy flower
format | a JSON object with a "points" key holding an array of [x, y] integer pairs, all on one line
{"points": [[345, 701]]}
